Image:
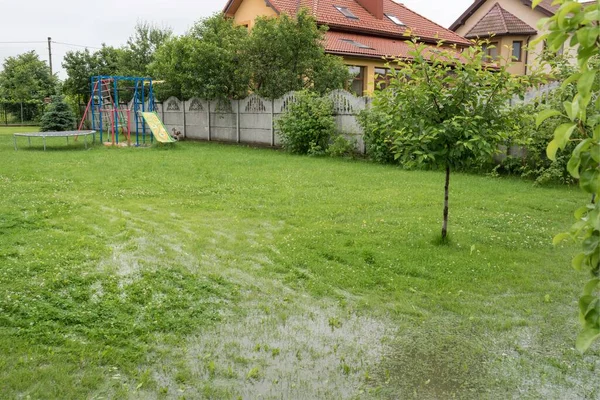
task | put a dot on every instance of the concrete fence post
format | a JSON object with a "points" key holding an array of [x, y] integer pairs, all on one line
{"points": [[208, 119], [184, 121], [272, 122], [237, 121]]}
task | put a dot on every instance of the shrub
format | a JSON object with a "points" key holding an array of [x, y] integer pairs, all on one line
{"points": [[308, 124], [535, 164], [58, 117], [341, 147], [379, 131]]}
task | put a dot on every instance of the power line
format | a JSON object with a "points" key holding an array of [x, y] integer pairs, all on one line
{"points": [[75, 45], [24, 42]]}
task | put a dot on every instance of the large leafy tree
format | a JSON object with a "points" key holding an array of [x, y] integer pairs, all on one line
{"points": [[26, 77], [447, 109], [81, 65], [138, 54], [78, 66], [207, 62], [580, 26], [286, 54]]}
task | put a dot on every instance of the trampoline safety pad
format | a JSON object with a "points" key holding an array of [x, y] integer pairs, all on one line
{"points": [[65, 134]]}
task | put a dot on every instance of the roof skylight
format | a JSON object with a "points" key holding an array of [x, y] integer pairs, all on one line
{"points": [[357, 44], [395, 19], [346, 12]]}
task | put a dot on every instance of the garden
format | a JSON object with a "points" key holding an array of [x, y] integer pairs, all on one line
{"points": [[432, 266], [220, 271]]}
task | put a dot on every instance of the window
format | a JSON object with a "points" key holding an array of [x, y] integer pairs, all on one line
{"points": [[395, 19], [357, 44], [382, 79], [517, 50], [357, 86], [491, 50], [346, 12]]}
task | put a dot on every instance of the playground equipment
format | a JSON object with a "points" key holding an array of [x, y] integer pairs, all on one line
{"points": [[158, 129], [108, 112], [45, 135]]}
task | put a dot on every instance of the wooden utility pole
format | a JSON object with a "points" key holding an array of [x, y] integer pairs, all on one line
{"points": [[50, 53]]}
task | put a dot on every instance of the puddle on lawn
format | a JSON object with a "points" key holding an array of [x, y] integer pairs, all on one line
{"points": [[284, 349]]}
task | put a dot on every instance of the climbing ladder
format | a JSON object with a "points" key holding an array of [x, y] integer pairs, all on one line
{"points": [[109, 110]]}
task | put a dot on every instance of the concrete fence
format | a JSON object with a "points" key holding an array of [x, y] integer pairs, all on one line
{"points": [[253, 120]]}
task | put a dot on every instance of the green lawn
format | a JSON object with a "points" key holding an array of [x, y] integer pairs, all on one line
{"points": [[216, 271]]}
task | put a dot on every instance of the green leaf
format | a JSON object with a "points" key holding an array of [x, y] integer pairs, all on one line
{"points": [[587, 36], [568, 106], [569, 80], [560, 237], [562, 134], [544, 115], [583, 145], [551, 150], [591, 286], [585, 83], [590, 180], [590, 245], [573, 166], [535, 3], [577, 261], [565, 10], [586, 337]]}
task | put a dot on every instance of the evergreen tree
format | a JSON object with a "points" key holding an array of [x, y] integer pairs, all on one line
{"points": [[58, 117]]}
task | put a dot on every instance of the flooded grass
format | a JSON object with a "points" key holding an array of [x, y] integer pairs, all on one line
{"points": [[222, 272]]}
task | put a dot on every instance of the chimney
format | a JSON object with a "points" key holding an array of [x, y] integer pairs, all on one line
{"points": [[375, 7]]}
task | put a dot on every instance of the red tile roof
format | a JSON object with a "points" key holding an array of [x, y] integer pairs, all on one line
{"points": [[326, 14], [499, 22], [337, 43]]}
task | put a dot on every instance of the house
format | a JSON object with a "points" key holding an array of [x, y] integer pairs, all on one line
{"points": [[511, 26], [365, 33]]}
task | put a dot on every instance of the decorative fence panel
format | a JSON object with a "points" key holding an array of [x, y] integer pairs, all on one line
{"points": [[256, 120], [253, 120]]}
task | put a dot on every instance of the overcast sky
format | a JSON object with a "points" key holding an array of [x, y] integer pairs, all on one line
{"points": [[90, 23]]}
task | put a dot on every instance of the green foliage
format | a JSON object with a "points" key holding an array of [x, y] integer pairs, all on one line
{"points": [[379, 130], [308, 125], [445, 110], [578, 25], [532, 161], [286, 54], [138, 54], [341, 147], [26, 77], [207, 61], [81, 65], [58, 117]]}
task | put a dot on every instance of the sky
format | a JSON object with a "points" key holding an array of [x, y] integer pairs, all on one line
{"points": [[89, 23]]}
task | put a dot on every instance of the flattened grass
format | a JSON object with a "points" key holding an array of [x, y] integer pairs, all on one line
{"points": [[110, 259]]}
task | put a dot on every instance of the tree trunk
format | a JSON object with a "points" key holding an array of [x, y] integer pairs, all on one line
{"points": [[21, 113], [446, 192]]}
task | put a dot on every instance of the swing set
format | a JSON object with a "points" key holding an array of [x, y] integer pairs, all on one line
{"points": [[107, 112]]}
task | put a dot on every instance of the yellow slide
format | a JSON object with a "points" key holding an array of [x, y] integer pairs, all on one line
{"points": [[158, 129]]}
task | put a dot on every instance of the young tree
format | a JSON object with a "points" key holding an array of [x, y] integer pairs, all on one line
{"points": [[138, 54], [58, 117], [207, 62], [286, 54], [448, 109], [580, 26]]}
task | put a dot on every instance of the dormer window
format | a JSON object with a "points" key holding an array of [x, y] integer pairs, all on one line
{"points": [[395, 19], [346, 12], [356, 44]]}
